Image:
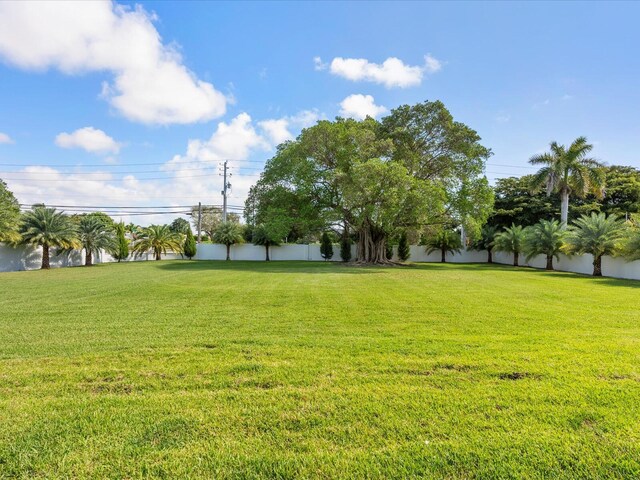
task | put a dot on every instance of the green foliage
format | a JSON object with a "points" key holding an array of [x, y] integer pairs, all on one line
{"points": [[121, 249], [326, 247], [211, 218], [345, 248], [388, 250], [545, 238], [568, 171], [180, 225], [95, 235], [430, 166], [622, 195], [9, 215], [445, 241], [403, 247], [189, 248], [631, 243], [486, 241], [47, 227], [511, 240], [516, 204], [229, 233], [157, 239], [598, 235], [270, 234]]}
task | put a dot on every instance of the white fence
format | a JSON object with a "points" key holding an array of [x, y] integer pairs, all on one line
{"points": [[29, 258]]}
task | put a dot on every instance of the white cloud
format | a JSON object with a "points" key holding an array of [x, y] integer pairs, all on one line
{"points": [[90, 139], [393, 72], [4, 138], [360, 106], [503, 118], [279, 130], [150, 83], [318, 64], [432, 64], [541, 104]]}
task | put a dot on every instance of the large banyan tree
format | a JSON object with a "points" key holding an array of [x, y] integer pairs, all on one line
{"points": [[416, 167]]}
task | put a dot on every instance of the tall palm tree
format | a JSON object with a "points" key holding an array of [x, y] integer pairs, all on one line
{"points": [[486, 241], [445, 241], [568, 171], [598, 235], [94, 235], [545, 238], [228, 233], [46, 227], [511, 240], [157, 239]]}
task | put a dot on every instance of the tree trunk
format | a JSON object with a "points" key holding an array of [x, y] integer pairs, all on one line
{"points": [[45, 257], [88, 258], [564, 206], [158, 256], [267, 250], [516, 255], [597, 266], [549, 262], [228, 252], [443, 259], [489, 256], [371, 245]]}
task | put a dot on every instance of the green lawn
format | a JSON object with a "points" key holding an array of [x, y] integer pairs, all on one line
{"points": [[309, 370]]}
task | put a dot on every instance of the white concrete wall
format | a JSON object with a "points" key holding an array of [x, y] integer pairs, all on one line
{"points": [[29, 258]]}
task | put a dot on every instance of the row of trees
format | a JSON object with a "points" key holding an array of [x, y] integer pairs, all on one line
{"points": [[93, 233], [597, 234]]}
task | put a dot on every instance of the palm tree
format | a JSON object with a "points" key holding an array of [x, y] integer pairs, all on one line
{"points": [[486, 241], [158, 239], [545, 238], [46, 227], [445, 241], [267, 235], [228, 233], [511, 240], [568, 171], [95, 236], [598, 235]]}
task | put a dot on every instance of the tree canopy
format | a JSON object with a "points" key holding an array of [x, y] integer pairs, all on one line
{"points": [[9, 215], [417, 167]]}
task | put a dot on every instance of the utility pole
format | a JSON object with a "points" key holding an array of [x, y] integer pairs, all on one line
{"points": [[227, 185], [199, 221]]}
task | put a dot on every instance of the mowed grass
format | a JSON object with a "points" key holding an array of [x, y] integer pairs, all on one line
{"points": [[309, 370]]}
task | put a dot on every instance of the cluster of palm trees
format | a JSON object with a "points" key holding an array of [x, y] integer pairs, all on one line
{"points": [[596, 234], [49, 229]]}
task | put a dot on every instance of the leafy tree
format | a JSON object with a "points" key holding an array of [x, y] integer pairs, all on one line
{"points": [[326, 247], [228, 233], [345, 248], [404, 251], [567, 171], [121, 248], [445, 241], [486, 241], [511, 240], [157, 239], [631, 243], [9, 215], [46, 227], [597, 234], [388, 250], [94, 235], [189, 248], [515, 203], [269, 234], [545, 238], [430, 168], [180, 225], [622, 195]]}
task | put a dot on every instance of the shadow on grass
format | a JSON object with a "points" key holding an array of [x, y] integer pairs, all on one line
{"points": [[524, 270], [274, 266]]}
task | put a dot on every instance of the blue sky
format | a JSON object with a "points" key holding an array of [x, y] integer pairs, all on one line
{"points": [[97, 98]]}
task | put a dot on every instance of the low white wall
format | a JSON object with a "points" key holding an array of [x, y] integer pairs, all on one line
{"points": [[30, 258]]}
